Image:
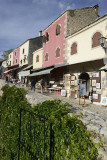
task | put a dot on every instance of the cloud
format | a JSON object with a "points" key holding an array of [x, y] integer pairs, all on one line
{"points": [[40, 1], [61, 5], [72, 6]]}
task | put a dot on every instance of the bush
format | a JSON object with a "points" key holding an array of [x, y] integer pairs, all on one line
{"points": [[71, 139], [10, 103]]}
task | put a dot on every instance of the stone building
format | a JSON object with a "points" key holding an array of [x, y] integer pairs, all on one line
{"points": [[66, 24]]}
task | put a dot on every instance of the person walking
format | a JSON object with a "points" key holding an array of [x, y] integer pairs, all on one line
{"points": [[91, 94], [42, 85], [33, 84]]}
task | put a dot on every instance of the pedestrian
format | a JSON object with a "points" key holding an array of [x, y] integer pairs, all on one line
{"points": [[42, 85], [6, 79], [33, 84], [91, 94]]}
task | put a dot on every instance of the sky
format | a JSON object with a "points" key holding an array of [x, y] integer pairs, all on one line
{"points": [[23, 19]]}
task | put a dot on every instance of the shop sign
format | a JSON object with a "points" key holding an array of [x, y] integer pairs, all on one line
{"points": [[82, 89], [95, 96], [94, 89], [98, 91], [97, 85], [75, 82], [94, 83], [72, 78], [72, 83], [96, 74], [63, 92], [104, 101]]}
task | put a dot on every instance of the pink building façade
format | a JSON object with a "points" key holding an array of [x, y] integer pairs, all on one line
{"points": [[71, 21], [16, 56]]}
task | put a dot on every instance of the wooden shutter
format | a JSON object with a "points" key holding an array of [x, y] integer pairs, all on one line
{"points": [[58, 52], [73, 48], [95, 39]]}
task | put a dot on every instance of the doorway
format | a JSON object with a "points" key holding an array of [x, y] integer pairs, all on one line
{"points": [[85, 79]]}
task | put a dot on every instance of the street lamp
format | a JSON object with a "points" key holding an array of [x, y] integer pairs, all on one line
{"points": [[103, 43]]}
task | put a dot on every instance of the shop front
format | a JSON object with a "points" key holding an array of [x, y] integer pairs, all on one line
{"points": [[85, 74]]}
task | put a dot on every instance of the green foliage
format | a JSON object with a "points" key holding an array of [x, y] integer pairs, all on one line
{"points": [[71, 139], [10, 103], [6, 53]]}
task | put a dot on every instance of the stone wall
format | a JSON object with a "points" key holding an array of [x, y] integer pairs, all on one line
{"points": [[34, 44], [79, 18]]}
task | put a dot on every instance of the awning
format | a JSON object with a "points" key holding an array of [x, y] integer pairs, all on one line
{"points": [[103, 68], [8, 71], [24, 73], [28, 67], [47, 71], [60, 65]]}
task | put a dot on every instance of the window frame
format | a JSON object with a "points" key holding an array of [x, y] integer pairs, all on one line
{"points": [[95, 39], [58, 29], [37, 58], [47, 58], [73, 49], [59, 53]]}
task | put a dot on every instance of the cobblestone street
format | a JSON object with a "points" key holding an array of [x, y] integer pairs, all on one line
{"points": [[94, 116]]}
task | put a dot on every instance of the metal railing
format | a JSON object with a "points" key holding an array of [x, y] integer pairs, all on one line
{"points": [[36, 137]]}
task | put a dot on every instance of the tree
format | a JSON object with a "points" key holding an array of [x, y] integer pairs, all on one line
{"points": [[6, 53]]}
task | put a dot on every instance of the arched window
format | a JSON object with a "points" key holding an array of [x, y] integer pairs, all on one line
{"points": [[74, 48], [95, 39], [58, 29], [46, 57], [57, 52], [37, 58]]}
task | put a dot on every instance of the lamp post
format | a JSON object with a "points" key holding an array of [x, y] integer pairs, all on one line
{"points": [[103, 43]]}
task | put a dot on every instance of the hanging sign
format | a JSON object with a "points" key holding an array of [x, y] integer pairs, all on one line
{"points": [[104, 101]]}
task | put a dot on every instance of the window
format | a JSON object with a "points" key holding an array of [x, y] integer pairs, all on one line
{"points": [[58, 29], [57, 52], [10, 56], [47, 36], [21, 61], [10, 63], [16, 60], [46, 57], [13, 62], [95, 39], [37, 58], [23, 51], [74, 48], [15, 53]]}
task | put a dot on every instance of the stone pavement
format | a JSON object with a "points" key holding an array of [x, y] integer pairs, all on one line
{"points": [[94, 116]]}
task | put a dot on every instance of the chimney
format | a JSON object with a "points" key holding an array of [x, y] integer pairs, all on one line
{"points": [[40, 33], [96, 7]]}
